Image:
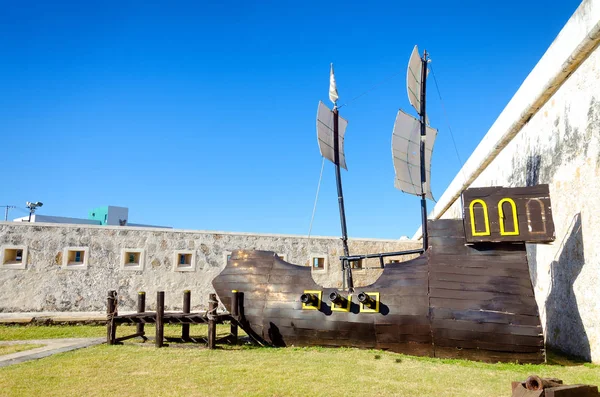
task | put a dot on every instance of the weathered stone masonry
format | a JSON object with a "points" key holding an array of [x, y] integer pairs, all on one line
{"points": [[550, 133], [45, 285]]}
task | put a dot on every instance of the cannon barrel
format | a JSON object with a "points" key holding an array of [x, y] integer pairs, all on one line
{"points": [[366, 300], [535, 383], [336, 298], [309, 299]]}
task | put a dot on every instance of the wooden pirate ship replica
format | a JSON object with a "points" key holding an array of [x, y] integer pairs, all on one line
{"points": [[467, 295]]}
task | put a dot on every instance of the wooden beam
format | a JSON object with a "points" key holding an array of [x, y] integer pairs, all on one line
{"points": [[185, 328], [141, 308], [111, 313], [212, 325], [160, 312]]}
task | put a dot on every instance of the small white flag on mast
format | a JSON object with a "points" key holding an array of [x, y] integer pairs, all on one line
{"points": [[333, 94], [325, 135]]}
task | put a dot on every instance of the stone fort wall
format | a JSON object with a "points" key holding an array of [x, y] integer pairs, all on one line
{"points": [[46, 281], [549, 133]]}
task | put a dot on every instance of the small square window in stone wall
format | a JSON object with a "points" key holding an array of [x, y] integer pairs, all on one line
{"points": [[132, 259], [318, 262], [13, 257], [184, 261], [75, 258]]}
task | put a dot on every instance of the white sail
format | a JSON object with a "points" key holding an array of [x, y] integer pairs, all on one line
{"points": [[406, 151], [413, 80], [325, 134]]}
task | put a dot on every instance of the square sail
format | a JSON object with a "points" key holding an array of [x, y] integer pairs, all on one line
{"points": [[406, 148], [413, 80], [325, 134]]}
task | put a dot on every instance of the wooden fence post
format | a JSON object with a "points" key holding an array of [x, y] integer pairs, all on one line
{"points": [[160, 312], [212, 325], [141, 308], [187, 300], [235, 314], [111, 312]]}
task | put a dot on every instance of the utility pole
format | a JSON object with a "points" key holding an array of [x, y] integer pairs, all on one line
{"points": [[6, 208]]}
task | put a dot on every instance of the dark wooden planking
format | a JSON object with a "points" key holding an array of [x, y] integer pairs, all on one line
{"points": [[506, 288], [404, 284], [409, 291], [483, 345], [442, 276], [440, 268], [391, 337], [484, 286], [506, 307], [403, 319], [482, 301], [483, 250], [572, 391], [482, 316], [481, 296], [445, 228], [489, 355], [398, 333], [244, 277], [522, 340], [495, 328], [408, 301], [448, 264]]}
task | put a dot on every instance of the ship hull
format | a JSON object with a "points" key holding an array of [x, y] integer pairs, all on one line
{"points": [[454, 301]]}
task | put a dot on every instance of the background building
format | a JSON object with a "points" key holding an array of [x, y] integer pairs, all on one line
{"points": [[108, 215]]}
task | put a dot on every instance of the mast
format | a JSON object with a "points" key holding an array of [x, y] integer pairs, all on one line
{"points": [[423, 121], [338, 179], [412, 135], [330, 136]]}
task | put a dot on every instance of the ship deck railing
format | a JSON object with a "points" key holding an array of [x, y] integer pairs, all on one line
{"points": [[381, 255], [185, 318]]}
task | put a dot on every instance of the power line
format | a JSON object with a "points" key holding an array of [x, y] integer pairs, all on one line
{"points": [[371, 89], [6, 208], [24, 210]]}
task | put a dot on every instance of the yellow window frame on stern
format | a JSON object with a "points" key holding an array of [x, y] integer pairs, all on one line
{"points": [[501, 217], [486, 218]]}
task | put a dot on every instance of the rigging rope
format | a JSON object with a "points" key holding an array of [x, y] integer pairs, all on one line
{"points": [[371, 89], [448, 124], [312, 218]]}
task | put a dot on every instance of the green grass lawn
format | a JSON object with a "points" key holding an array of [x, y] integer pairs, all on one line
{"points": [[134, 370]]}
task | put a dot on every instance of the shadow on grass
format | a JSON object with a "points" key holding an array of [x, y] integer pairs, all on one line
{"points": [[554, 357]]}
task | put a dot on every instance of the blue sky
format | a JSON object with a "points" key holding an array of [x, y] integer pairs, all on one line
{"points": [[201, 115]]}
